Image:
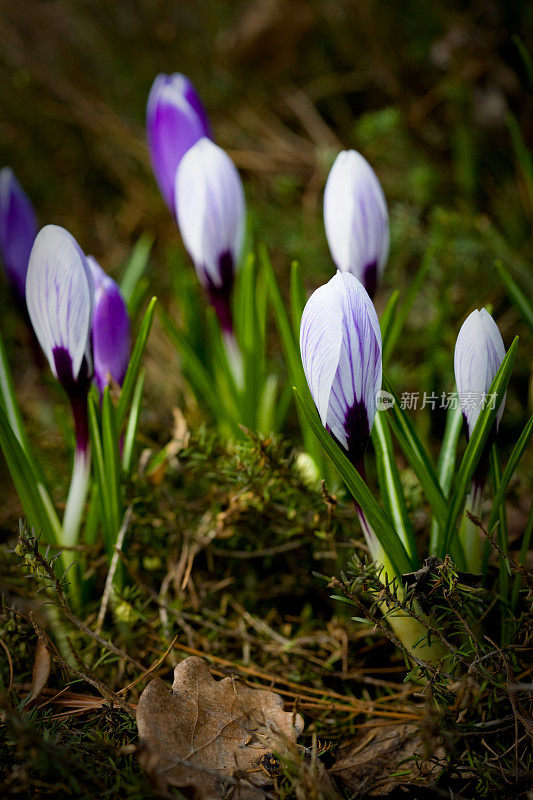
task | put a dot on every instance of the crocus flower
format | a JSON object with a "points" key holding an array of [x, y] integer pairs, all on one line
{"points": [[340, 343], [18, 228], [110, 329], [175, 120], [356, 219], [211, 213], [479, 351], [59, 299]]}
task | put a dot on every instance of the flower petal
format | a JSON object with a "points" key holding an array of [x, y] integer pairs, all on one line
{"points": [[18, 228], [321, 331], [175, 120], [356, 218], [58, 295], [210, 211], [479, 351], [110, 329], [340, 343]]}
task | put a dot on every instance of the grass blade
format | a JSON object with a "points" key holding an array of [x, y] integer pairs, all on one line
{"points": [[9, 401], [133, 423], [516, 295], [390, 484], [387, 319], [401, 316], [512, 464], [136, 266], [526, 57], [298, 298], [41, 515], [134, 366], [446, 464], [197, 375], [98, 462], [292, 357], [378, 520], [522, 155], [417, 457], [110, 447], [503, 565]]}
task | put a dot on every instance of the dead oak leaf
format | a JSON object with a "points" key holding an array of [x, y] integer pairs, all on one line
{"points": [[214, 737], [388, 757]]}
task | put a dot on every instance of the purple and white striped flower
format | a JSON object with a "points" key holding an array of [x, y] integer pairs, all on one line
{"points": [[59, 299], [211, 215], [356, 219], [340, 343], [479, 351], [175, 120], [110, 329], [59, 296], [18, 228]]}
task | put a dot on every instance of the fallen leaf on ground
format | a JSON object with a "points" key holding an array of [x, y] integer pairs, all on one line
{"points": [[41, 669], [214, 737], [385, 758]]}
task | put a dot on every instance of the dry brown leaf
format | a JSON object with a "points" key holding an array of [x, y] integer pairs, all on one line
{"points": [[41, 669], [214, 737], [387, 757]]}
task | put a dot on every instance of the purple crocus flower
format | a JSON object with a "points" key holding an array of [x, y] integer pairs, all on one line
{"points": [[340, 343], [18, 228], [211, 214], [59, 296], [479, 351], [110, 329], [356, 219], [175, 120]]}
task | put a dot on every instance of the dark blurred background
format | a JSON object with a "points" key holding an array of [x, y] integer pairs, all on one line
{"points": [[423, 89]]}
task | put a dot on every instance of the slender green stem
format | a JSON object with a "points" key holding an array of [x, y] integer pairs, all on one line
{"points": [[77, 494], [235, 359], [470, 535], [411, 632]]}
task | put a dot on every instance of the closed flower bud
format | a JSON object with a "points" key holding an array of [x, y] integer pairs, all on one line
{"points": [[340, 343], [59, 299], [211, 213], [175, 120], [110, 329], [356, 219], [18, 228], [479, 351]]}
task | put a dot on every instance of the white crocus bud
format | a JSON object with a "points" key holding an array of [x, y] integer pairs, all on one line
{"points": [[356, 219], [211, 214], [479, 351]]}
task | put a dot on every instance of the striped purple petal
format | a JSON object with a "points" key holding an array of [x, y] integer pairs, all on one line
{"points": [[340, 344], [59, 300]]}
